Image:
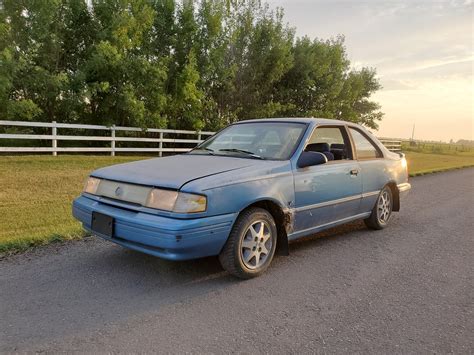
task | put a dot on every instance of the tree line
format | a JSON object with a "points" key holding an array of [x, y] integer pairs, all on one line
{"points": [[176, 64]]}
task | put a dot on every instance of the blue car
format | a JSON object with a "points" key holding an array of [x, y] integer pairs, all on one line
{"points": [[247, 191]]}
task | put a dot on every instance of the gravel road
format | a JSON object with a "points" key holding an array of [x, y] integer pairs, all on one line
{"points": [[406, 289]]}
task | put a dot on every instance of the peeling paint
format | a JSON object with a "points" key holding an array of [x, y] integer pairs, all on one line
{"points": [[288, 219]]}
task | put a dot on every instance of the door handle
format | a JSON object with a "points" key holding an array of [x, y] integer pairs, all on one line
{"points": [[354, 171]]}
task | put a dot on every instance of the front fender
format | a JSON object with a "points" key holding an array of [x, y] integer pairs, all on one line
{"points": [[233, 192], [237, 197]]}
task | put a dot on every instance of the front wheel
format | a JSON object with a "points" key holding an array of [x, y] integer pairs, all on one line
{"points": [[251, 245], [382, 211]]}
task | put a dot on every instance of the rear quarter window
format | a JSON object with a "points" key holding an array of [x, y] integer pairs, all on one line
{"points": [[365, 149]]}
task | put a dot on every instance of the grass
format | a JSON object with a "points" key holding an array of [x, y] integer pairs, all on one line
{"points": [[37, 191], [36, 196], [427, 163]]}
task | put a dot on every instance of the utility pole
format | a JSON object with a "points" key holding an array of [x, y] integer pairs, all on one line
{"points": [[413, 132]]}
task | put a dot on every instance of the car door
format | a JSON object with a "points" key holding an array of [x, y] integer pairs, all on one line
{"points": [[372, 167], [328, 192]]}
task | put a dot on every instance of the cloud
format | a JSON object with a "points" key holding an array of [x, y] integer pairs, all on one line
{"points": [[394, 84], [387, 31], [422, 51]]}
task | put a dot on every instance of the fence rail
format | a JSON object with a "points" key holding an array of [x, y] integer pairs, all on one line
{"points": [[391, 144], [54, 137]]}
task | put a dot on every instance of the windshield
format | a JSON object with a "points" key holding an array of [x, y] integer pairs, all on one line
{"points": [[259, 140]]}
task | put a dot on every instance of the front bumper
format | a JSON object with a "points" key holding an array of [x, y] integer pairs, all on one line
{"points": [[165, 237]]}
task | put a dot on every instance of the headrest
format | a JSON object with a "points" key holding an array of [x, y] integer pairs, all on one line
{"points": [[337, 146], [318, 147]]}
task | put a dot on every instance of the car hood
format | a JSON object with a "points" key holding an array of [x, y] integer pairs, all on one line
{"points": [[175, 171]]}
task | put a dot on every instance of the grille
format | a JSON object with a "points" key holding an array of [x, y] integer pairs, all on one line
{"points": [[122, 191]]}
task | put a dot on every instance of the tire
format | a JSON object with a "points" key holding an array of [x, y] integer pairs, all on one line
{"points": [[244, 256], [382, 211]]}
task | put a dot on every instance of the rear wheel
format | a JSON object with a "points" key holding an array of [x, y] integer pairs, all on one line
{"points": [[251, 245], [382, 211]]}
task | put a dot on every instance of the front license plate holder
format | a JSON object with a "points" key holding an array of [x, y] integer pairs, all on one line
{"points": [[102, 224]]}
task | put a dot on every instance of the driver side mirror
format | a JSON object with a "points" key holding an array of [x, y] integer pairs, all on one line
{"points": [[311, 159]]}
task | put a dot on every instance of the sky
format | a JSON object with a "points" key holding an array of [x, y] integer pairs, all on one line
{"points": [[422, 51]]}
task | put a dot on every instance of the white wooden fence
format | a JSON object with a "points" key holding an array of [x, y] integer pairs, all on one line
{"points": [[54, 137], [172, 137], [391, 144]]}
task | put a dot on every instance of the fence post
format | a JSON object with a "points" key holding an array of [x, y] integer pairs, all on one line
{"points": [[160, 153], [199, 136], [112, 142], [54, 140]]}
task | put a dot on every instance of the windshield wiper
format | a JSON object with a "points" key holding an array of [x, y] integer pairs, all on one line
{"points": [[211, 151], [235, 150]]}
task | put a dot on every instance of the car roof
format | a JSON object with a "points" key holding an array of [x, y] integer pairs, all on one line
{"points": [[305, 120]]}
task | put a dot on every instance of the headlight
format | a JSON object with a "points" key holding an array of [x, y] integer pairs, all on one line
{"points": [[162, 199], [174, 201], [91, 185], [189, 203]]}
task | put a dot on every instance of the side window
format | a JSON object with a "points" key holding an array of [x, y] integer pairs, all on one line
{"points": [[365, 148], [331, 141], [330, 135]]}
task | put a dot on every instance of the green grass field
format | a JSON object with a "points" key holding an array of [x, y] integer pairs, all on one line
{"points": [[425, 163], [36, 195], [37, 191]]}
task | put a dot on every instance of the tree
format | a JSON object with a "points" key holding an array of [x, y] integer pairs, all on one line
{"points": [[187, 102], [166, 63], [353, 102], [32, 70], [124, 83]]}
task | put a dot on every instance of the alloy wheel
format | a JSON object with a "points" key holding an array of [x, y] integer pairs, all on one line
{"points": [[256, 244], [384, 207]]}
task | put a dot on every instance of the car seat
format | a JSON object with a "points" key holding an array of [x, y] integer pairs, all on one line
{"points": [[339, 151], [321, 148]]}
